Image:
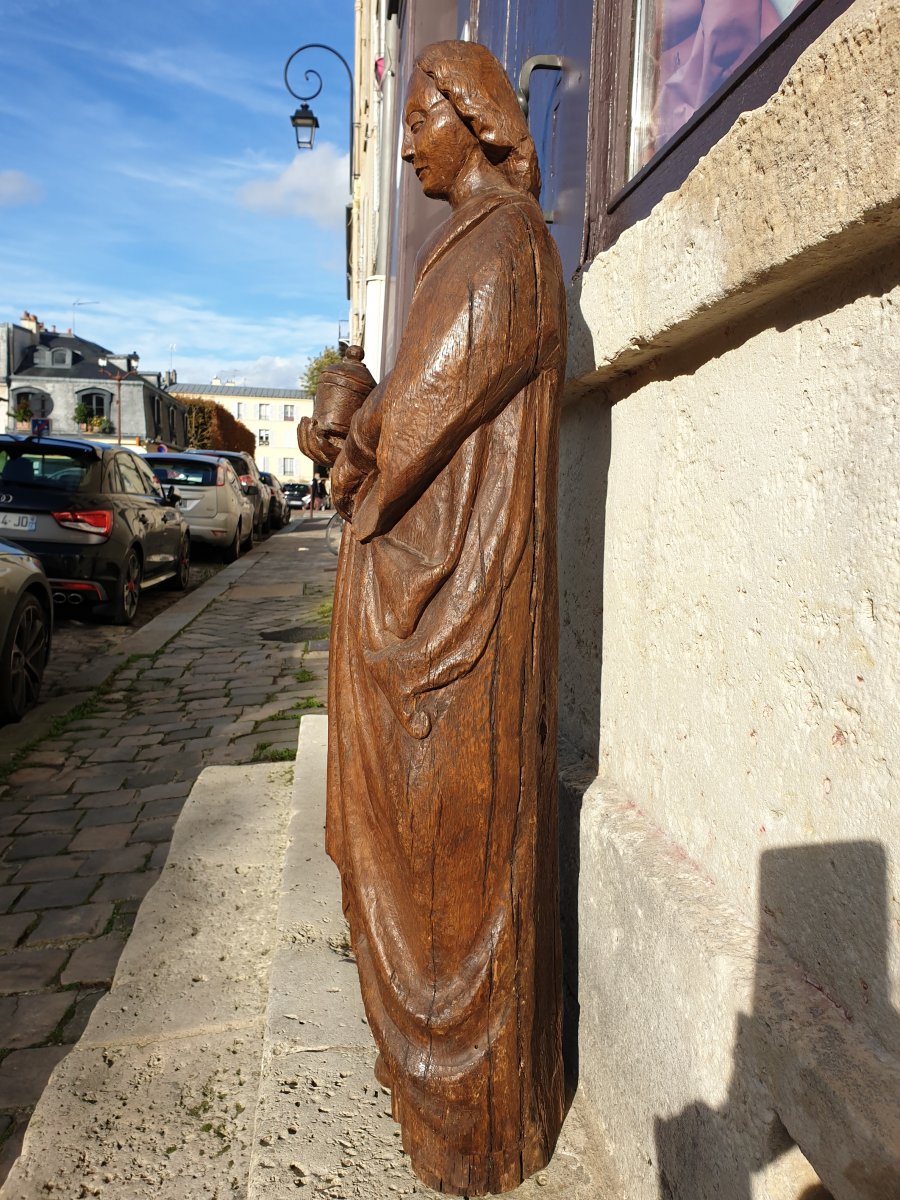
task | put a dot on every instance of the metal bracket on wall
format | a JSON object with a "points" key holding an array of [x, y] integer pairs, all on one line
{"points": [[550, 62]]}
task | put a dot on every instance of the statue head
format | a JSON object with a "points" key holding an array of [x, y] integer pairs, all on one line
{"points": [[462, 117]]}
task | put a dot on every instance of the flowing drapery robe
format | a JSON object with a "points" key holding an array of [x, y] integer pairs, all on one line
{"points": [[442, 694]]}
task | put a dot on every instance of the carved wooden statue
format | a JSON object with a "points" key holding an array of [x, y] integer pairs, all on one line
{"points": [[442, 754]]}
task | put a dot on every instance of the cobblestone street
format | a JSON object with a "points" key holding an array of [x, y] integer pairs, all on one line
{"points": [[86, 814]]}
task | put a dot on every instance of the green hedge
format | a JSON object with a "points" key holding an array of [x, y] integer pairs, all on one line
{"points": [[212, 427]]}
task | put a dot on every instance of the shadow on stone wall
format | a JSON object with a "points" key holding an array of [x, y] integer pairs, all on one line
{"points": [[585, 443], [815, 1062]]}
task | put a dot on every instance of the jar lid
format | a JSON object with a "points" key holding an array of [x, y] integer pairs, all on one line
{"points": [[349, 371]]}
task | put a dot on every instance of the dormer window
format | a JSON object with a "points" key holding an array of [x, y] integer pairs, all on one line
{"points": [[42, 356], [62, 358]]}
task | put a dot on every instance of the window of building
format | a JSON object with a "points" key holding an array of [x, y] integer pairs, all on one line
{"points": [[288, 466], [264, 412], [672, 77], [96, 403], [61, 358], [263, 436], [239, 409], [288, 412], [40, 403], [264, 463]]}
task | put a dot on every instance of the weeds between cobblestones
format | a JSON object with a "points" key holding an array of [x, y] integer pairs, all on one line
{"points": [[87, 810]]}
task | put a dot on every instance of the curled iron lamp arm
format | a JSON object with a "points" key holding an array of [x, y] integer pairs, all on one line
{"points": [[315, 74]]}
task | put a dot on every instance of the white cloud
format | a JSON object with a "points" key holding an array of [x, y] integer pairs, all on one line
{"points": [[315, 186], [18, 188]]}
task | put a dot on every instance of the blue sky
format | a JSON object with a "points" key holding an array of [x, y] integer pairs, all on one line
{"points": [[149, 166]]}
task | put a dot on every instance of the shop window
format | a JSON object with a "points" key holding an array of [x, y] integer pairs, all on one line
{"points": [[672, 77]]}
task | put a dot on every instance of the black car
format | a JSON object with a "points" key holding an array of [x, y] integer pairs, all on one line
{"points": [[297, 494], [26, 628], [97, 518]]}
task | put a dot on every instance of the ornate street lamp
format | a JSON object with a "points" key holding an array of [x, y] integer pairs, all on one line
{"points": [[103, 363], [305, 125], [304, 119]]}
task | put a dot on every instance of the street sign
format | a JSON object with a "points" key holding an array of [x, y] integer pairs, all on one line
{"points": [[39, 426]]}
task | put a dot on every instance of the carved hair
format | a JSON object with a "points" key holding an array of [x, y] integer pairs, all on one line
{"points": [[476, 85]]}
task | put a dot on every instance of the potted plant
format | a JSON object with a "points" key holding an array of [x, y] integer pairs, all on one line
{"points": [[101, 425], [23, 414], [82, 415]]}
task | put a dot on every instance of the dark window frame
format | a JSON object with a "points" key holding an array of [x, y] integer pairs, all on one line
{"points": [[613, 208]]}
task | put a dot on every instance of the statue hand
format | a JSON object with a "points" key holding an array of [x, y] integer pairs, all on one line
{"points": [[346, 481], [315, 444]]}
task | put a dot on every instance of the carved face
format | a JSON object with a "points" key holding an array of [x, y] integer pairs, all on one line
{"points": [[435, 140]]}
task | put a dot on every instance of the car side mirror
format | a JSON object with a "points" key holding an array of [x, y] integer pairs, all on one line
{"points": [[173, 497]]}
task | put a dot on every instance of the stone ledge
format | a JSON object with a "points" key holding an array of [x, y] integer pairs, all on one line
{"points": [[796, 190], [707, 1053]]}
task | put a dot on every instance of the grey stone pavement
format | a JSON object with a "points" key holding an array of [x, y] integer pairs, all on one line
{"points": [[89, 794]]}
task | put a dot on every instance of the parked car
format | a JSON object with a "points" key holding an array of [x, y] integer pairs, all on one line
{"points": [[279, 509], [26, 630], [248, 473], [97, 518], [298, 494], [212, 499]]}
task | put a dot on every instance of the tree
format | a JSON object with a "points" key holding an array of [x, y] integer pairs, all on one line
{"points": [[316, 366]]}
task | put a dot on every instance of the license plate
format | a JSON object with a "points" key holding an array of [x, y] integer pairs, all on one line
{"points": [[21, 522]]}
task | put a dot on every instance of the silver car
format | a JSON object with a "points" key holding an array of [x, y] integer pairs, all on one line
{"points": [[213, 502]]}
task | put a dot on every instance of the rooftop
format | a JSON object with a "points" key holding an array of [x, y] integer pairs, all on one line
{"points": [[237, 391]]}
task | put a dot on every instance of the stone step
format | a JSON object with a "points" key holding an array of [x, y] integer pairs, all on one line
{"points": [[157, 1098]]}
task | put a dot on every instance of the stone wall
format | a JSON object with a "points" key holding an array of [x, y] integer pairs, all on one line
{"points": [[729, 654]]}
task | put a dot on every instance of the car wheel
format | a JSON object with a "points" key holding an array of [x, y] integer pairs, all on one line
{"points": [[128, 591], [233, 550], [182, 577], [23, 658]]}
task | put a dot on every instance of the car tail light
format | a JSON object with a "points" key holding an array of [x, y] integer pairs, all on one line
{"points": [[220, 475], [100, 521], [246, 480]]}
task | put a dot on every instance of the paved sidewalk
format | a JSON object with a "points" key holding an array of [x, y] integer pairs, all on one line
{"points": [[87, 816]]}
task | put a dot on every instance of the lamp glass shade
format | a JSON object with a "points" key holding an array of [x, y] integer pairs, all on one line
{"points": [[305, 125]]}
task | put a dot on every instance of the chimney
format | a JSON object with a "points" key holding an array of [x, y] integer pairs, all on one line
{"points": [[31, 323]]}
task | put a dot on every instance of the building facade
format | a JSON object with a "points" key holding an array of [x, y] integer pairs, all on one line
{"points": [[722, 181], [74, 387], [271, 415]]}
